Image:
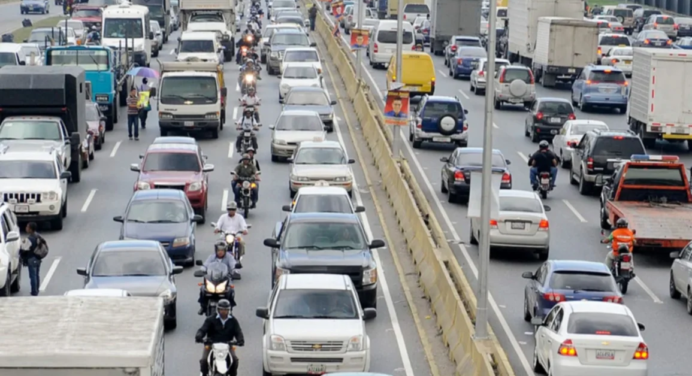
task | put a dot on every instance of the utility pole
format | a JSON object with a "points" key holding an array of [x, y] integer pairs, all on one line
{"points": [[399, 51], [359, 51]]}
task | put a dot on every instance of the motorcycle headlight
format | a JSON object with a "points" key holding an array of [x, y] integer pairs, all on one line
{"points": [[142, 185], [246, 184], [277, 343], [50, 196], [249, 78], [195, 186], [221, 287], [210, 287], [230, 239], [355, 343], [166, 295], [181, 242], [370, 276]]}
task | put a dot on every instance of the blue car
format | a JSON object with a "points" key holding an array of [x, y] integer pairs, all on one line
{"points": [[557, 281], [683, 43], [163, 215], [438, 119], [34, 6], [600, 86], [462, 64]]}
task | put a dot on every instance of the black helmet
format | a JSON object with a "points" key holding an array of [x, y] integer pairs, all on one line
{"points": [[223, 304], [622, 223], [543, 145]]}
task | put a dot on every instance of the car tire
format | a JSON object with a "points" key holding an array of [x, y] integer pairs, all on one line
{"points": [[451, 197], [605, 224], [527, 313], [5, 291], [584, 186], [97, 145], [472, 236], [583, 106], [17, 284], [446, 63], [443, 188], [497, 104], [447, 124], [76, 170], [417, 144], [672, 290], [57, 224], [543, 254], [689, 302], [533, 135], [537, 367], [171, 323], [563, 162]]}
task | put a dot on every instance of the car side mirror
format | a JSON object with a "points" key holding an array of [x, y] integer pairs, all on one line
{"points": [[82, 271], [333, 103], [444, 159], [208, 167], [119, 218], [377, 243], [271, 126], [197, 218], [369, 313], [289, 160], [528, 275], [351, 161], [634, 232], [224, 91], [65, 175], [199, 263], [466, 111], [152, 92], [313, 44], [271, 243], [199, 273], [547, 208], [177, 270], [281, 100], [641, 326], [360, 209], [286, 208], [22, 62], [508, 162], [12, 236], [134, 167], [537, 321], [26, 41], [262, 313]]}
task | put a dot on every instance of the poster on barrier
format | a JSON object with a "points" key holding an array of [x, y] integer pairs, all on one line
{"points": [[474, 207], [338, 9], [359, 38], [396, 109]]}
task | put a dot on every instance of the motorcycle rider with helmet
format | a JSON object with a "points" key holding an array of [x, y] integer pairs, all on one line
{"points": [[249, 67], [544, 160], [250, 152], [244, 42], [232, 222], [246, 123], [221, 256], [621, 237], [222, 328], [244, 171], [251, 99]]}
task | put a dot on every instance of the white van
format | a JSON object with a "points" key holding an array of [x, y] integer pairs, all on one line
{"points": [[11, 54], [202, 45], [131, 21], [383, 42]]}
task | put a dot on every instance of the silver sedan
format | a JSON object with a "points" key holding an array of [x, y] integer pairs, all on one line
{"points": [[479, 76], [570, 135]]}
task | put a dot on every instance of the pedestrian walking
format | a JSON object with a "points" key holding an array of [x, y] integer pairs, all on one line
{"points": [[312, 14], [133, 108], [144, 96], [33, 249]]}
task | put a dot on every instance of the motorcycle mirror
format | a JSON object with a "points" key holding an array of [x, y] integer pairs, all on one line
{"points": [[249, 226], [527, 275], [271, 126], [537, 321], [199, 273], [197, 219], [177, 270], [508, 162], [199, 263], [634, 232], [235, 276], [641, 326], [369, 313]]}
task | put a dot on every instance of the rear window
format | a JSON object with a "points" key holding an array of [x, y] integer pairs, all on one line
{"points": [[650, 12], [517, 74], [416, 8], [437, 109], [582, 281], [655, 34], [665, 20], [618, 146], [615, 77], [597, 323], [472, 52], [467, 42], [581, 129], [613, 40], [654, 175], [498, 65], [622, 52], [556, 108], [683, 20], [476, 159], [502, 12], [520, 204], [622, 12], [389, 37]]}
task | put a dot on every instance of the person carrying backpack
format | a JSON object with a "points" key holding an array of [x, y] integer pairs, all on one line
{"points": [[33, 249]]}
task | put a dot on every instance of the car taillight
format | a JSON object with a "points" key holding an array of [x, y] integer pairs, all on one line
{"points": [[625, 83], [533, 79], [642, 352], [481, 74], [615, 61], [626, 258], [675, 27], [572, 144], [554, 297], [375, 48], [618, 138], [419, 123], [458, 176], [506, 178], [589, 164], [655, 25], [669, 41], [460, 61], [454, 48], [493, 223], [502, 76], [544, 225], [567, 349], [539, 116], [404, 16], [572, 117], [646, 41], [613, 299]]}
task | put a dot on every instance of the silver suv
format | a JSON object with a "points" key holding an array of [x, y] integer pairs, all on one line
{"points": [[662, 22], [514, 84], [625, 16]]}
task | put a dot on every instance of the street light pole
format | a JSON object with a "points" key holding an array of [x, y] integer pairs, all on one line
{"points": [[481, 331], [359, 51], [399, 52]]}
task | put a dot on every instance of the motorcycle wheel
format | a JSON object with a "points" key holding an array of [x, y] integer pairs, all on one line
{"points": [[623, 286], [544, 194]]}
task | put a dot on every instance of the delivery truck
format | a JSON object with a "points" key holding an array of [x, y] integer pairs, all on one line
{"points": [[79, 336], [215, 15], [453, 17], [660, 106]]}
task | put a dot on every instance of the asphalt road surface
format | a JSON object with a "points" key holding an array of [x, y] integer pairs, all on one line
{"points": [[107, 186], [11, 18], [574, 226]]}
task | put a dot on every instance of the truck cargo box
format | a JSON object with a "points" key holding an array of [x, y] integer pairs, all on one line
{"points": [[453, 17], [207, 4]]}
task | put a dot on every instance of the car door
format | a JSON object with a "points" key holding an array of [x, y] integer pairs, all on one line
{"points": [[541, 337], [270, 307], [63, 182], [552, 336], [681, 269], [13, 247], [535, 287], [449, 168], [578, 155], [65, 146], [530, 118], [577, 86]]}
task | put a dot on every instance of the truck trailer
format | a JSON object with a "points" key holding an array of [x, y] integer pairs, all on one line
{"points": [[81, 336], [453, 17]]}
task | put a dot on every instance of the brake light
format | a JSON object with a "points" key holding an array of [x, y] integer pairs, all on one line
{"points": [[493, 223], [567, 349], [502, 76], [625, 83], [544, 225], [533, 79], [458, 176], [646, 41], [572, 143], [618, 138], [589, 164], [419, 123], [642, 352], [612, 299], [554, 297], [481, 74], [375, 48], [572, 117], [589, 82], [626, 258], [539, 116], [599, 51], [506, 177], [675, 27], [454, 48], [669, 41], [459, 61]]}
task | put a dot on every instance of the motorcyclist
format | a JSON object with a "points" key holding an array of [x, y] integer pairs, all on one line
{"points": [[93, 37], [621, 236], [220, 255], [247, 40], [245, 170], [222, 328], [246, 123], [251, 153], [250, 66], [251, 99], [544, 160], [232, 222]]}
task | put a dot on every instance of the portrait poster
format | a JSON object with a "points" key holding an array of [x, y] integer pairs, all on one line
{"points": [[396, 109]]}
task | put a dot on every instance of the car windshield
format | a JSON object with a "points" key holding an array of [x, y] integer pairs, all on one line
{"points": [[315, 304], [76, 25], [291, 20], [416, 8], [622, 12], [92, 113], [307, 99], [180, 90], [326, 156], [27, 170], [196, 46], [292, 39], [304, 73], [582, 281], [654, 34], [472, 52], [30, 130], [8, 58], [389, 37], [613, 40], [329, 236], [467, 43], [520, 204], [618, 146], [172, 162], [437, 109], [476, 159], [150, 211], [128, 263], [42, 35], [155, 26], [122, 27], [309, 123], [606, 76], [502, 12], [683, 20], [654, 176], [498, 65], [517, 74], [323, 204], [86, 13], [301, 57], [650, 12], [555, 108], [581, 129], [622, 52], [600, 323], [89, 59], [664, 20]]}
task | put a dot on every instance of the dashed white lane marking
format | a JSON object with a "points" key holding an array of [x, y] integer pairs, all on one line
{"points": [[224, 200], [495, 126], [50, 273], [115, 148], [464, 94], [648, 290], [231, 148], [523, 156], [85, 207], [235, 113], [442, 73], [574, 211]]}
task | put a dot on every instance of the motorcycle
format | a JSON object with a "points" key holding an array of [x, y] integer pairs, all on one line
{"points": [[249, 79], [544, 184], [242, 55], [622, 267], [247, 186], [219, 359], [216, 284]]}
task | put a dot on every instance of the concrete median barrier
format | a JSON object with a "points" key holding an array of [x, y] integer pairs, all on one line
{"points": [[451, 296]]}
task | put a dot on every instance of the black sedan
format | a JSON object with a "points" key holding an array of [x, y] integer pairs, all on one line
{"points": [[546, 118], [652, 39], [457, 168]]}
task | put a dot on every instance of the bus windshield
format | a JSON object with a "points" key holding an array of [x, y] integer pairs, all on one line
{"points": [[89, 59], [122, 28]]}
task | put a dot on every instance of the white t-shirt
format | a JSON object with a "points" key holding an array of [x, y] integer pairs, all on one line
{"points": [[229, 224]]}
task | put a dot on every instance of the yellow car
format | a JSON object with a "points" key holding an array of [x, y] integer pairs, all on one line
{"points": [[418, 73]]}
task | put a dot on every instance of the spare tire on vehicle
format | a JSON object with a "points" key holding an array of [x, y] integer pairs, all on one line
{"points": [[447, 124], [518, 88]]}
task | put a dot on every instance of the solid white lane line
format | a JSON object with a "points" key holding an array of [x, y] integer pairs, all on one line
{"points": [[523, 156], [574, 210], [115, 148], [442, 73], [231, 148], [224, 200], [235, 113], [172, 51], [85, 207], [648, 290], [237, 87], [464, 94], [50, 273]]}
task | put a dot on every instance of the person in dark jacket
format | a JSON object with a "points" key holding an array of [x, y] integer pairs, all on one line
{"points": [[222, 328], [29, 257], [312, 14]]}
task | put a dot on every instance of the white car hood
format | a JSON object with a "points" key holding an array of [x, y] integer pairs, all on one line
{"points": [[291, 82], [210, 56], [30, 185], [298, 136], [321, 171], [317, 330]]}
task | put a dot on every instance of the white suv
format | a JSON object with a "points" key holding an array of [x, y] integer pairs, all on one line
{"points": [[10, 263], [34, 184], [314, 324], [514, 84]]}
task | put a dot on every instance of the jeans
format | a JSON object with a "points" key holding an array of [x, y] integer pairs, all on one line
{"points": [[143, 117], [133, 122], [312, 23], [533, 174], [34, 265], [253, 194], [204, 366]]}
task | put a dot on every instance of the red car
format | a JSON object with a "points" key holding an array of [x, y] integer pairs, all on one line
{"points": [[176, 163], [90, 15]]}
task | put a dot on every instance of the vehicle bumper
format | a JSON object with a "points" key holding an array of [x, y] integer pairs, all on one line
{"points": [[515, 100], [605, 99], [541, 240], [282, 150], [438, 137], [197, 199], [481, 84], [273, 63], [567, 154], [380, 57], [280, 362], [547, 131], [327, 118], [33, 9], [296, 185], [571, 366], [197, 125], [463, 71], [36, 212], [140, 58], [106, 107], [367, 293]]}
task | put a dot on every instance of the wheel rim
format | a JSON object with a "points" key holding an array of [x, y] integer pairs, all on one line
{"points": [[671, 285]]}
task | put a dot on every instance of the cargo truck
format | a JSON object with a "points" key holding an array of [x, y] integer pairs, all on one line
{"points": [[77, 335], [159, 11], [392, 7], [48, 91], [660, 105], [216, 15], [453, 17], [564, 46], [523, 24]]}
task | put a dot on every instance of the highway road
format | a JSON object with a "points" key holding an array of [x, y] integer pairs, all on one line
{"points": [[107, 186], [574, 223], [11, 19]]}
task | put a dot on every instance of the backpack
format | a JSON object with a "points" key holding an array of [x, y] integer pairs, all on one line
{"points": [[42, 249]]}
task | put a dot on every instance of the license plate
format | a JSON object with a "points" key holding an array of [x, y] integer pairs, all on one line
{"points": [[658, 44], [553, 131], [555, 120], [412, 88], [680, 130], [628, 62], [571, 70], [442, 139], [518, 225], [189, 123], [21, 208], [247, 134], [545, 181], [625, 265], [605, 354], [317, 369]]}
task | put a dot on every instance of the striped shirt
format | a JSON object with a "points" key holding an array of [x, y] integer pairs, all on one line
{"points": [[132, 108]]}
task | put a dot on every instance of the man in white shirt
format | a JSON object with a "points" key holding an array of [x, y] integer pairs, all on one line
{"points": [[233, 223]]}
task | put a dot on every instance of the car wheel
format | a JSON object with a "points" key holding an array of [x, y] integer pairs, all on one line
{"points": [[451, 197], [534, 136], [537, 367], [571, 98], [527, 312], [171, 323], [689, 301], [583, 106], [17, 284], [605, 224], [443, 188], [417, 144], [446, 62], [526, 131], [563, 162], [471, 88], [543, 254], [472, 236], [674, 293], [5, 291], [584, 186], [497, 104]]}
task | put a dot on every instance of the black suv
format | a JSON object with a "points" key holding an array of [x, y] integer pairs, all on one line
{"points": [[546, 118], [331, 243], [598, 153]]}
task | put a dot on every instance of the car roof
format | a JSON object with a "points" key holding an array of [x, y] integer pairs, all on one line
{"points": [[517, 193], [596, 307], [10, 47], [301, 49], [553, 99], [178, 148], [116, 293], [322, 191], [443, 98], [174, 140], [300, 64], [320, 144], [157, 194], [196, 35], [282, 25], [43, 155], [123, 245], [611, 132], [289, 31], [578, 265], [415, 53], [315, 282], [605, 67], [466, 37], [323, 218], [517, 67]]}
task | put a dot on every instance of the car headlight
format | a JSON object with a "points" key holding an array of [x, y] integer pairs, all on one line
{"points": [[280, 142], [181, 242], [370, 276], [277, 343], [163, 115], [216, 289], [142, 185], [101, 98], [50, 196], [212, 116], [298, 178], [166, 295], [342, 178], [195, 186], [355, 343]]}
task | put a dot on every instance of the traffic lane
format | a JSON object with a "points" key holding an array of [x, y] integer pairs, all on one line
{"points": [[11, 18]]}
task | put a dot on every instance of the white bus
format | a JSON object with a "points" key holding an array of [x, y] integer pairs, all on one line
{"points": [[131, 22]]}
